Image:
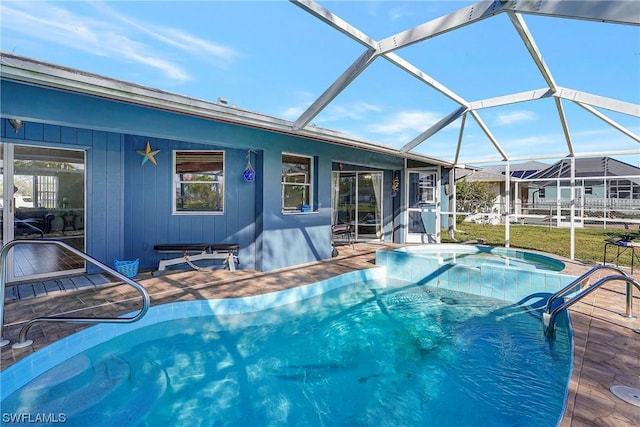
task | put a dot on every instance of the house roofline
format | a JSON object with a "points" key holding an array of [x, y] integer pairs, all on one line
{"points": [[30, 71]]}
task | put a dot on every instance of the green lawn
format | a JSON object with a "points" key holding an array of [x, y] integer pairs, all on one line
{"points": [[589, 241]]}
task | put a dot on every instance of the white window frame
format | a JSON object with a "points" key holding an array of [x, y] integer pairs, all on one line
{"points": [[308, 183], [175, 181], [428, 189]]}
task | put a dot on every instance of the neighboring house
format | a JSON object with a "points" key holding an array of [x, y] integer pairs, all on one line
{"points": [[494, 176], [602, 184], [121, 167]]}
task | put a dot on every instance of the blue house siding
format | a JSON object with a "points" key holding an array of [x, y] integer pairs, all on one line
{"points": [[104, 187], [129, 205], [148, 217]]}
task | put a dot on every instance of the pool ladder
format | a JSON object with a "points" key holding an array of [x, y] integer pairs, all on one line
{"points": [[22, 341], [550, 312]]}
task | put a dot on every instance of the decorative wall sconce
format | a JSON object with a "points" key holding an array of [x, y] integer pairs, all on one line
{"points": [[249, 173], [16, 124]]}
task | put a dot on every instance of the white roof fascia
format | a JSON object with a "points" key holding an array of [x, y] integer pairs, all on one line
{"points": [[529, 42], [444, 122], [565, 126], [617, 11], [39, 73], [609, 121], [510, 99], [599, 101]]}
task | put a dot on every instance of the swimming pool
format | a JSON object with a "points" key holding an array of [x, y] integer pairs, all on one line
{"points": [[476, 256], [377, 351]]}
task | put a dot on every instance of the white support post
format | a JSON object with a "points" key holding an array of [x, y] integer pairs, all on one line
{"points": [[558, 202], [572, 249], [507, 204]]}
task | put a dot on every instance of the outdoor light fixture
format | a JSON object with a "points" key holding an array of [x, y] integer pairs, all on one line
{"points": [[16, 124]]}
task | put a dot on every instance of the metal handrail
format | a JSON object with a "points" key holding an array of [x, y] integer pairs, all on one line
{"points": [[23, 342], [579, 281], [549, 315]]}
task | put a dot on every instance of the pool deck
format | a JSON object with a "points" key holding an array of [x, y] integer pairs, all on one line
{"points": [[607, 344]]}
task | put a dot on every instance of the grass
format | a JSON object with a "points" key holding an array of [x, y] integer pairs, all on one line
{"points": [[589, 243]]}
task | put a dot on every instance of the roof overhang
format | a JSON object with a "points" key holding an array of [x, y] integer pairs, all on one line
{"points": [[38, 73]]}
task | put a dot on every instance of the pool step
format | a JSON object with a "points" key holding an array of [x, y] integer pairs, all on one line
{"points": [[109, 389]]}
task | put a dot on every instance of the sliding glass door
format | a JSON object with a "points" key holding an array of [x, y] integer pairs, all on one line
{"points": [[357, 201], [43, 197]]}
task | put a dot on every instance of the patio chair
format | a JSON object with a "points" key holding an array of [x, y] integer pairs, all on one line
{"points": [[344, 231]]}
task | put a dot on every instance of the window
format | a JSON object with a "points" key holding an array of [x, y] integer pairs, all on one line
{"points": [[620, 189], [541, 193], [296, 182], [47, 194], [423, 188], [199, 181]]}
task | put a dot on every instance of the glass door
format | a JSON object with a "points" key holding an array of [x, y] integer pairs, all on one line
{"points": [[564, 202], [423, 223], [357, 201], [43, 193]]}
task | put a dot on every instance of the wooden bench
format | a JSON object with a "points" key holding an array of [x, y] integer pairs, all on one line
{"points": [[197, 251]]}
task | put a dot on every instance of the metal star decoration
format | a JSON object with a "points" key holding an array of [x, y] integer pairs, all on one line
{"points": [[148, 154]]}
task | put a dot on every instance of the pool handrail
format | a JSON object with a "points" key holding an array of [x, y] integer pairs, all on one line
{"points": [[22, 340], [550, 312]]}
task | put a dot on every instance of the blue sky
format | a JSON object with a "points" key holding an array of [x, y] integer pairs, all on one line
{"points": [[275, 58]]}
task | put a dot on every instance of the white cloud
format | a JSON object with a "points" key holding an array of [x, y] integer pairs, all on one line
{"points": [[293, 113], [403, 121], [174, 37], [515, 117], [399, 13], [354, 111], [303, 101], [112, 35]]}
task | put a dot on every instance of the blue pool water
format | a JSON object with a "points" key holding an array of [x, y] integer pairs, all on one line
{"points": [[477, 256], [384, 353]]}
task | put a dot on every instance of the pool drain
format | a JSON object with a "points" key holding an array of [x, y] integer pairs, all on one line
{"points": [[628, 394]]}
